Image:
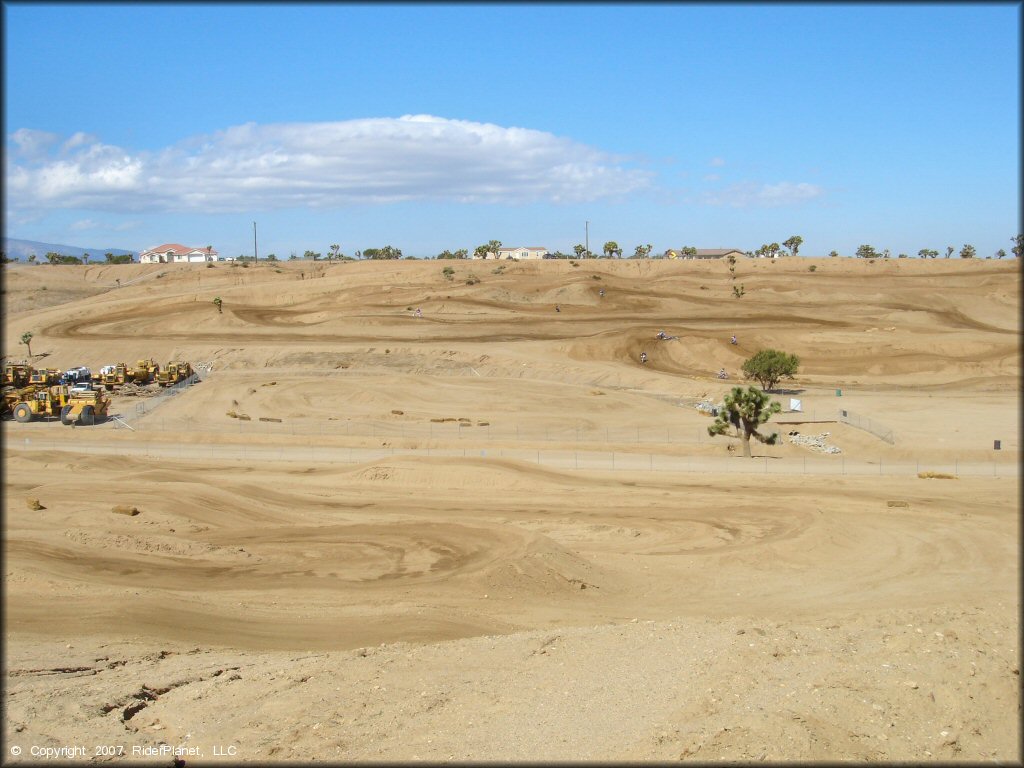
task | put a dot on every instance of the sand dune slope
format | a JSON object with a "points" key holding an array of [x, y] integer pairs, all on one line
{"points": [[491, 533]]}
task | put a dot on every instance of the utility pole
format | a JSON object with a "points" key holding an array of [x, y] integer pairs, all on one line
{"points": [[255, 252], [586, 254]]}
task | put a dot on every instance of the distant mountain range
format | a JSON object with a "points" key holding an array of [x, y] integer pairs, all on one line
{"points": [[22, 249]]}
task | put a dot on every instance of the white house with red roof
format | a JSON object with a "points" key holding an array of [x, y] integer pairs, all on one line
{"points": [[174, 253]]}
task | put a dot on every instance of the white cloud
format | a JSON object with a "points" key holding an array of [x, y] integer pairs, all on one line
{"points": [[33, 144], [83, 224], [79, 139], [716, 162], [381, 160], [711, 177], [752, 195]]}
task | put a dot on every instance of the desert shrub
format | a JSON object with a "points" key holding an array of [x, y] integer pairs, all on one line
{"points": [[472, 280], [812, 267]]}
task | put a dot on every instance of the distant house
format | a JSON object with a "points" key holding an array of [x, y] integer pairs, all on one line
{"points": [[516, 253], [705, 253], [174, 253]]}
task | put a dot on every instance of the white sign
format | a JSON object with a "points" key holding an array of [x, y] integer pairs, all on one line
{"points": [[794, 404]]}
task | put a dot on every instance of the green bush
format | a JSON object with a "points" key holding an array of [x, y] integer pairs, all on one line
{"points": [[769, 366]]}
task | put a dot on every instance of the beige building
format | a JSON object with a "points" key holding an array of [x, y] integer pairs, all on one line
{"points": [[705, 253], [517, 253]]}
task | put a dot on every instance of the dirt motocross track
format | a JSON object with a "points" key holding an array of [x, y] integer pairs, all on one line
{"points": [[491, 533]]}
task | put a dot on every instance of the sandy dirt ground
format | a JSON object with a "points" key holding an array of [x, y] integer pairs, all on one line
{"points": [[491, 533]]}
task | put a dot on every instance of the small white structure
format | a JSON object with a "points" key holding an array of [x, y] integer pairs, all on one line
{"points": [[175, 253], [795, 405]]}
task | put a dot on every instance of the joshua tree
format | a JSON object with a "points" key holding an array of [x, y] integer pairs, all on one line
{"points": [[949, 251], [746, 411], [1000, 254], [334, 252], [611, 249], [1018, 245], [927, 253], [26, 339], [580, 250], [794, 244], [968, 252]]}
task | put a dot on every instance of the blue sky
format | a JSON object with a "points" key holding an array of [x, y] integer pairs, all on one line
{"points": [[429, 127]]}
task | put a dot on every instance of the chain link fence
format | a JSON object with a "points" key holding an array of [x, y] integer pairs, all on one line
{"points": [[147, 405], [868, 425], [557, 459]]}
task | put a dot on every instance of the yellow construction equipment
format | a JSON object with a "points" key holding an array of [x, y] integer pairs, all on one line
{"points": [[29, 402], [144, 372], [115, 375], [17, 374], [84, 407], [44, 377], [58, 401], [175, 371]]}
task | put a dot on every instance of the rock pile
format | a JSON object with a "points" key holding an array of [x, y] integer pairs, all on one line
{"points": [[706, 406], [814, 442]]}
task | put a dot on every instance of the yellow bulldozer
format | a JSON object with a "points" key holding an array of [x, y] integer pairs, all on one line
{"points": [[78, 406], [17, 374], [144, 371], [175, 371]]}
